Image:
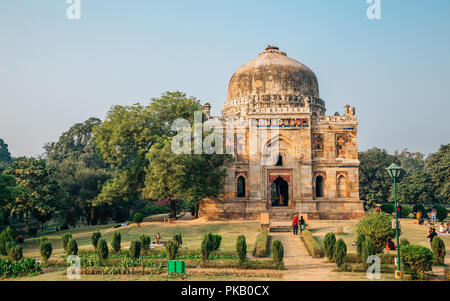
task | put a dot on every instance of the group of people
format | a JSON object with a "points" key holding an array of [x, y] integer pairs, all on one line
{"points": [[296, 223]]}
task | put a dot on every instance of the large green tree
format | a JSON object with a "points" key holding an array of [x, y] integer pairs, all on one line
{"points": [[127, 135], [7, 186], [5, 156], [415, 188], [188, 177], [36, 190], [438, 167], [80, 170], [374, 181]]}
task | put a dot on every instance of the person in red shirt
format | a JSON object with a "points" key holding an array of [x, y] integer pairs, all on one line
{"points": [[295, 224]]}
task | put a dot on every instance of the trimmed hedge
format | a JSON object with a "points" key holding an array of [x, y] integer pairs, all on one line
{"points": [[277, 252], [241, 248], [102, 249], [95, 238], [438, 247], [329, 242], [72, 247], [340, 251], [172, 249], [262, 246], [65, 240], [116, 240], [46, 249], [312, 245], [416, 260], [135, 249]]}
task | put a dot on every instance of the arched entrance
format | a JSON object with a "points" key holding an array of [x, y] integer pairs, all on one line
{"points": [[279, 192]]}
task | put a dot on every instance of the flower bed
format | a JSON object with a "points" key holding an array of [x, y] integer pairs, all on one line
{"points": [[24, 267]]}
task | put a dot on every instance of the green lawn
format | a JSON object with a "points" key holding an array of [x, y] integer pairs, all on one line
{"points": [[191, 231]]}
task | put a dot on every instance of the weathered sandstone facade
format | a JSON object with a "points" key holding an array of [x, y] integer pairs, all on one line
{"points": [[315, 164]]}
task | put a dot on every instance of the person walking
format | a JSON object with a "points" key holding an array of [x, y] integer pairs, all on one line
{"points": [[431, 234], [302, 225], [295, 224]]}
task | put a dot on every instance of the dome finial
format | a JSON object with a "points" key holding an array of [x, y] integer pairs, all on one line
{"points": [[270, 47]]}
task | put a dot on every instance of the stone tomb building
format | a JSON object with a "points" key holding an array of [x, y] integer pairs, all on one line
{"points": [[315, 167]]}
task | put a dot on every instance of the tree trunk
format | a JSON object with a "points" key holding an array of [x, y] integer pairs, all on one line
{"points": [[173, 208], [26, 223]]}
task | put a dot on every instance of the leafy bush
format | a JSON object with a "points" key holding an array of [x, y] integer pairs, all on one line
{"points": [[178, 239], [20, 268], [419, 207], [262, 247], [172, 249], [241, 248], [102, 249], [404, 242], [94, 239], [438, 247], [65, 240], [340, 251], [72, 247], [416, 260], [46, 249], [207, 245], [388, 208], [217, 240], [6, 236], [377, 227], [406, 211], [313, 246], [14, 251], [138, 218], [441, 212], [368, 249], [329, 244], [116, 240], [277, 252], [145, 244], [135, 249], [359, 243]]}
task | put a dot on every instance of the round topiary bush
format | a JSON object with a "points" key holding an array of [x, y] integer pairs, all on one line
{"points": [[207, 245], [388, 208], [65, 240], [419, 208], [217, 240], [368, 249], [95, 238], [116, 240], [377, 227], [6, 236], [135, 249], [14, 251], [359, 243], [138, 218], [102, 249], [72, 247], [46, 249], [415, 260], [404, 242], [340, 251], [145, 244], [277, 252], [441, 212], [172, 249], [405, 211], [241, 248], [329, 242], [438, 247], [178, 239]]}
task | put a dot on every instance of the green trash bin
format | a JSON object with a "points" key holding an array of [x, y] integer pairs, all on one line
{"points": [[171, 266], [180, 267]]}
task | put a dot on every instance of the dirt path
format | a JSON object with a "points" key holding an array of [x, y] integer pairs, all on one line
{"points": [[300, 265]]}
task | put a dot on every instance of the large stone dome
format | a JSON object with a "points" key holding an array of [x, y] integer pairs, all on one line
{"points": [[271, 81]]}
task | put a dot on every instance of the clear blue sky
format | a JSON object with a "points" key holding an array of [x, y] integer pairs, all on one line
{"points": [[55, 72]]}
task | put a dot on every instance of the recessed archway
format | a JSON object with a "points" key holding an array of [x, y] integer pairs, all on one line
{"points": [[319, 187], [240, 187]]}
